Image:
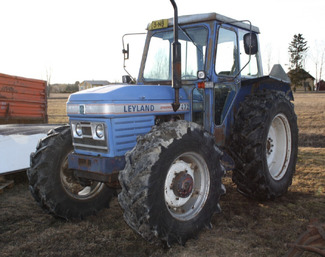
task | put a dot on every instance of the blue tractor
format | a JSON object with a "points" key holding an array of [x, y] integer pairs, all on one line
{"points": [[199, 107]]}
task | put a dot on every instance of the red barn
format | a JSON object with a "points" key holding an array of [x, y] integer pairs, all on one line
{"points": [[320, 86]]}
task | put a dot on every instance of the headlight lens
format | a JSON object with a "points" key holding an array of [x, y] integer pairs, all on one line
{"points": [[201, 74], [100, 131], [78, 129]]}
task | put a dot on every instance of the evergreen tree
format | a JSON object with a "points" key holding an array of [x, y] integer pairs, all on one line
{"points": [[297, 49]]}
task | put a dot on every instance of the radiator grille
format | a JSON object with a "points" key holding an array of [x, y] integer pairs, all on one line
{"points": [[126, 131]]}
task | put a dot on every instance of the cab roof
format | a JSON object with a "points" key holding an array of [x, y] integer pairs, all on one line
{"points": [[187, 19]]}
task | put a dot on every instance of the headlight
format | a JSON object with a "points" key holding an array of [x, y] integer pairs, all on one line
{"points": [[100, 131], [78, 129], [201, 74]]}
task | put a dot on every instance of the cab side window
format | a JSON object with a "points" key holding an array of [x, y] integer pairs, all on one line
{"points": [[227, 53]]}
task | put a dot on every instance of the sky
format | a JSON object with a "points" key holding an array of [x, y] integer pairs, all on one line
{"points": [[76, 40]]}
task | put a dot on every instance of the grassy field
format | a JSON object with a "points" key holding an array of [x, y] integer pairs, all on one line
{"points": [[310, 108], [56, 108], [244, 228]]}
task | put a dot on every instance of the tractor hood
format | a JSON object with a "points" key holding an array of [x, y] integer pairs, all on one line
{"points": [[117, 93], [125, 99]]}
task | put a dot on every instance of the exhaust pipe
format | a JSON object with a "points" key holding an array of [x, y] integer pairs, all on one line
{"points": [[176, 68]]}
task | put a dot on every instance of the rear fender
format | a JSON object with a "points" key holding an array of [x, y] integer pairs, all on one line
{"points": [[249, 86], [266, 83]]}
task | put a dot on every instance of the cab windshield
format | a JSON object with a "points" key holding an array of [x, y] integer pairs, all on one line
{"points": [[158, 65]]}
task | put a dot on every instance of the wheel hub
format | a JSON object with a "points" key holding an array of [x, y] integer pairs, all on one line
{"points": [[186, 186], [182, 185], [278, 146], [179, 184], [269, 145], [73, 187]]}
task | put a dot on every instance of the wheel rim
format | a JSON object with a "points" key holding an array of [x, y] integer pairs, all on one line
{"points": [[187, 186], [72, 186], [278, 146]]}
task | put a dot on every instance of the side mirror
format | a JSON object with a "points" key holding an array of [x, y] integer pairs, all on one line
{"points": [[126, 52], [250, 43], [126, 79]]}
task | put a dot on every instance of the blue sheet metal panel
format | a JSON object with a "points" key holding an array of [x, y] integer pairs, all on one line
{"points": [[126, 130], [105, 165], [127, 93], [124, 109], [268, 83], [125, 100]]}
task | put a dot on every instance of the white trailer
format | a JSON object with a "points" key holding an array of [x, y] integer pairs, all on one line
{"points": [[17, 142]]}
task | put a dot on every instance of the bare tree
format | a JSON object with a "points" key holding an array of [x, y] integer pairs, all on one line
{"points": [[159, 68], [269, 60], [318, 57], [48, 79]]}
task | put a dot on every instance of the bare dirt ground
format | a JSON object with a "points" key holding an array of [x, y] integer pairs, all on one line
{"points": [[244, 228]]}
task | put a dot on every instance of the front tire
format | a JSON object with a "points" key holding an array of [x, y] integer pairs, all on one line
{"points": [[265, 145], [55, 187], [171, 184]]}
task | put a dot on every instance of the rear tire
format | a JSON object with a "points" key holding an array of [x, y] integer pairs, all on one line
{"points": [[265, 145], [171, 184], [55, 187]]}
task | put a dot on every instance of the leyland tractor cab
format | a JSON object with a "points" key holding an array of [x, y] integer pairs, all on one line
{"points": [[199, 107]]}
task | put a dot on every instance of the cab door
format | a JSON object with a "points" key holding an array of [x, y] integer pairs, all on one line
{"points": [[226, 79]]}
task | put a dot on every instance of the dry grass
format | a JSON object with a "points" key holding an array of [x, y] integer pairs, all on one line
{"points": [[244, 228], [310, 108], [56, 108]]}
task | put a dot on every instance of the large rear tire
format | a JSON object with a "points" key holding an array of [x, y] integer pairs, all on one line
{"points": [[265, 145], [55, 187], [171, 183]]}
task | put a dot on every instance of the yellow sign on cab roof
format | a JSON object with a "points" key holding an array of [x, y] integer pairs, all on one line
{"points": [[160, 24]]}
